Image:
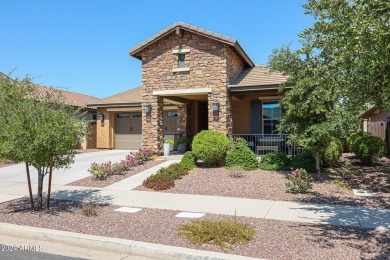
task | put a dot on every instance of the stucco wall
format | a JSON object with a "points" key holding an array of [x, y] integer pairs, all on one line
{"points": [[105, 134]]}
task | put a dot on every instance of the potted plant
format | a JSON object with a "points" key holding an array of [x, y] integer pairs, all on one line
{"points": [[182, 143], [167, 146]]}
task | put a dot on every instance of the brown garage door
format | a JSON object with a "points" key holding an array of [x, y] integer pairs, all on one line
{"points": [[128, 131]]}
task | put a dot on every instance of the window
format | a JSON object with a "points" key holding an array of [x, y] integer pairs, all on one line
{"points": [[181, 60], [137, 115], [271, 117], [122, 115], [172, 114]]}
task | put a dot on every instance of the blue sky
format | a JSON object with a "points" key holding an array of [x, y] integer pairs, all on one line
{"points": [[82, 45]]}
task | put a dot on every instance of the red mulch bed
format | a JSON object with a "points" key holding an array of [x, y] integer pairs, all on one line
{"points": [[91, 181], [270, 185], [273, 239]]}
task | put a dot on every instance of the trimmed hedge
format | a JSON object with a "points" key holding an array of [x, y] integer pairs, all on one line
{"points": [[188, 160], [159, 181], [275, 161], [366, 147], [176, 170], [211, 147], [304, 160], [241, 155]]}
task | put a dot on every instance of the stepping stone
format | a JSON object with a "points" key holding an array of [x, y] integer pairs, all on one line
{"points": [[128, 210], [365, 193], [189, 215]]}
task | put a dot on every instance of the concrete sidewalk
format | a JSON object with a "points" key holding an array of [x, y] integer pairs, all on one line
{"points": [[120, 194]]}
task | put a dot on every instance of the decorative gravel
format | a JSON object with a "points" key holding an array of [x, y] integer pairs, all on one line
{"points": [[273, 239], [270, 185], [5, 163], [91, 181]]}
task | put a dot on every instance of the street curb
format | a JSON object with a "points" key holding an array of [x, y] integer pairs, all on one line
{"points": [[116, 245]]}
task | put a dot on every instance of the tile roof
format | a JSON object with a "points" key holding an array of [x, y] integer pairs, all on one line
{"points": [[127, 97], [135, 52], [71, 98], [257, 76]]}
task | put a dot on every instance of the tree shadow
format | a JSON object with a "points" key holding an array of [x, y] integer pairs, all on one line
{"points": [[372, 244], [84, 195]]}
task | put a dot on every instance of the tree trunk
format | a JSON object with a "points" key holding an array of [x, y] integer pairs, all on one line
{"points": [[318, 168], [40, 188], [50, 176], [29, 186]]}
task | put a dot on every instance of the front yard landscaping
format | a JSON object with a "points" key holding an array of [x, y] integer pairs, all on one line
{"points": [[270, 185], [273, 239]]}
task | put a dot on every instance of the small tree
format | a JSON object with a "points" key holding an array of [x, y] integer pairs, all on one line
{"points": [[42, 131]]}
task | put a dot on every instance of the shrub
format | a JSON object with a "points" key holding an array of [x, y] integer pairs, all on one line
{"points": [[211, 147], [144, 155], [304, 160], [223, 233], [299, 181], [241, 155], [159, 181], [188, 160], [237, 140], [348, 171], [236, 172], [367, 147], [89, 209], [131, 160], [120, 167], [100, 171], [275, 161], [175, 170], [332, 152], [341, 185]]}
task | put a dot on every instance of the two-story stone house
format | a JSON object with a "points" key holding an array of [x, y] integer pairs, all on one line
{"points": [[192, 79]]}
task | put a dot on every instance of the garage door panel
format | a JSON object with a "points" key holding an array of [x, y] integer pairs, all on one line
{"points": [[128, 141]]}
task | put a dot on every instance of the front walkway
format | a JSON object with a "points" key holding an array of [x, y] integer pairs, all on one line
{"points": [[120, 194]]}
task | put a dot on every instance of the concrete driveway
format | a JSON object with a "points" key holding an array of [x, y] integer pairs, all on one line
{"points": [[78, 170]]}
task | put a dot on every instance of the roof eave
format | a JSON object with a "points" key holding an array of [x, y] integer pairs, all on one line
{"points": [[135, 104], [254, 87], [229, 41]]}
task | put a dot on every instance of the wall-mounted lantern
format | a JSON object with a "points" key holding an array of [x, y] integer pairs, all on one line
{"points": [[215, 106], [101, 118], [147, 108]]}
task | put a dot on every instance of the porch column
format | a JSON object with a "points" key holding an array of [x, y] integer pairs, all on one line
{"points": [[220, 120], [152, 124], [184, 119]]}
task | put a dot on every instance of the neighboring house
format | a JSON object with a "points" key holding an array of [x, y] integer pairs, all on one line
{"points": [[377, 123], [192, 79], [78, 101]]}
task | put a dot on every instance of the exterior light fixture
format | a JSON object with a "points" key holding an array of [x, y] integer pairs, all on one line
{"points": [[101, 118], [147, 108], [215, 106]]}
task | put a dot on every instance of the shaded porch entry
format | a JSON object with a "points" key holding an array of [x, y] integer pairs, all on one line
{"points": [[192, 111]]}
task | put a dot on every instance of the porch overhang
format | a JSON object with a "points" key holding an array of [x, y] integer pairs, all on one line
{"points": [[182, 92]]}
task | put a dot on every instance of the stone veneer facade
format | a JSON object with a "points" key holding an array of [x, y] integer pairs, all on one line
{"points": [[212, 65]]}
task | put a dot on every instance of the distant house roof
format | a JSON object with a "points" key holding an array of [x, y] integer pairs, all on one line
{"points": [[132, 96], [71, 98], [137, 50], [257, 77]]}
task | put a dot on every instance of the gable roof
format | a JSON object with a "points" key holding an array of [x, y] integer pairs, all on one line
{"points": [[259, 77], [132, 96], [135, 52], [71, 98]]}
